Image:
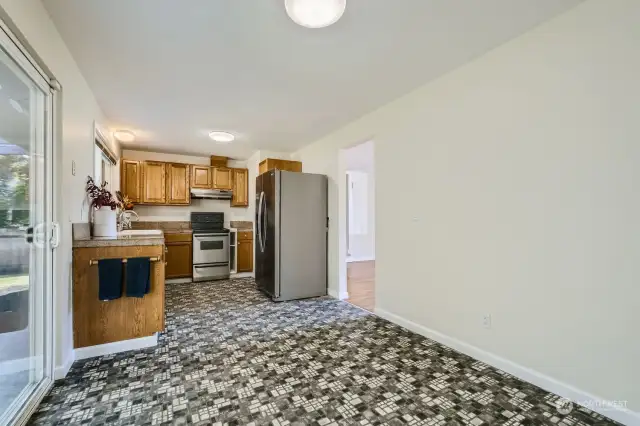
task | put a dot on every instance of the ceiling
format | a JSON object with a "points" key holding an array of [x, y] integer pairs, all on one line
{"points": [[171, 71]]}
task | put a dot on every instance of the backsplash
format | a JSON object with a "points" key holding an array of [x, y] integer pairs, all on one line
{"points": [[183, 213]]}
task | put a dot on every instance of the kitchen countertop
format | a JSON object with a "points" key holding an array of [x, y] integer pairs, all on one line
{"points": [[83, 241], [241, 225]]}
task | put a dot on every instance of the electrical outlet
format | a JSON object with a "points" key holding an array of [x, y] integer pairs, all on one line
{"points": [[486, 321], [73, 167]]}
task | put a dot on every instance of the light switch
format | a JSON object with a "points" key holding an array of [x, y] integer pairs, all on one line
{"points": [[73, 167]]}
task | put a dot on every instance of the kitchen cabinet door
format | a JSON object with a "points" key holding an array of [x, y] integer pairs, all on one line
{"points": [[222, 178], [153, 182], [245, 256], [240, 188], [178, 189], [179, 260], [130, 181], [201, 177]]}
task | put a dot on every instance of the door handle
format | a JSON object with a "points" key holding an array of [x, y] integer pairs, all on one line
{"points": [[29, 235]]}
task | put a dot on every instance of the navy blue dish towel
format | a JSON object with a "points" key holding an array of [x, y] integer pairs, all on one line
{"points": [[138, 276], [109, 279]]}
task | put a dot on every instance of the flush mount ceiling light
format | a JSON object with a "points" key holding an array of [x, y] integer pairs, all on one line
{"points": [[315, 13], [124, 135], [222, 137]]}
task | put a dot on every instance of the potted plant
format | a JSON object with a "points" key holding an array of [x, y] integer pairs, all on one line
{"points": [[103, 207]]}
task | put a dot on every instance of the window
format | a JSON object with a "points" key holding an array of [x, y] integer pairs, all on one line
{"points": [[104, 160]]}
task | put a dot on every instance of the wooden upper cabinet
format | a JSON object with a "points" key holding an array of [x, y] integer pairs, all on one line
{"points": [[130, 180], [240, 188], [201, 177], [222, 178], [153, 182], [178, 189], [275, 163]]}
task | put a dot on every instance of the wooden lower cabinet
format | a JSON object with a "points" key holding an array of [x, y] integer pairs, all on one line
{"points": [[245, 252], [179, 255]]}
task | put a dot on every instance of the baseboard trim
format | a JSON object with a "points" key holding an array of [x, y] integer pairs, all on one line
{"points": [[340, 296], [115, 347], [61, 371], [241, 275], [360, 259], [626, 417], [178, 281]]}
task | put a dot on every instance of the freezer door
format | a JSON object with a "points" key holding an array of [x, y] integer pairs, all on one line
{"points": [[302, 255], [259, 253], [268, 233]]}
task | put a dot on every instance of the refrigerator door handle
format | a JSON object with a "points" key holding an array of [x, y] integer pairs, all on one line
{"points": [[259, 224], [264, 222]]}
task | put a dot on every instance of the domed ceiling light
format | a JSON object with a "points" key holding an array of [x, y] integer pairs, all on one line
{"points": [[315, 13], [222, 137], [125, 136]]}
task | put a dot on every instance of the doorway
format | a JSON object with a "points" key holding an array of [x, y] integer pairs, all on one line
{"points": [[360, 225], [26, 229]]}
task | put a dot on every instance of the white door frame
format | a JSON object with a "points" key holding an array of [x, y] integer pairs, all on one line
{"points": [[26, 403]]}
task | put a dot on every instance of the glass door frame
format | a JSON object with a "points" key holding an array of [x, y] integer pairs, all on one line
{"points": [[31, 396]]}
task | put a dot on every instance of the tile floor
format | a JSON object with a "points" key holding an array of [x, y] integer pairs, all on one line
{"points": [[231, 356]]}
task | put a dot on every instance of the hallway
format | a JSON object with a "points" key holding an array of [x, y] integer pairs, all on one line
{"points": [[361, 284]]}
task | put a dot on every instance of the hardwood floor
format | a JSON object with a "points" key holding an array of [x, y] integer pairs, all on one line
{"points": [[361, 284]]}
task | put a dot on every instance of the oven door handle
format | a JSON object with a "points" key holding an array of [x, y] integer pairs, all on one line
{"points": [[211, 265], [199, 236]]}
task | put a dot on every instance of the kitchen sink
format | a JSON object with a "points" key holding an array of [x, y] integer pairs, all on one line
{"points": [[140, 233]]}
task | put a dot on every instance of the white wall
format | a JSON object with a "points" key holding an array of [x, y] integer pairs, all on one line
{"points": [[182, 213], [360, 158], [79, 110], [519, 199]]}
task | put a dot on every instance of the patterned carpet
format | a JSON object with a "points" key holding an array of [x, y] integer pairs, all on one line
{"points": [[232, 356]]}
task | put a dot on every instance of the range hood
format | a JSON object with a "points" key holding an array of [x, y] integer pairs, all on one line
{"points": [[211, 194]]}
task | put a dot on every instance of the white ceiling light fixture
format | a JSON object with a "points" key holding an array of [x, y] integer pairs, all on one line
{"points": [[315, 13], [124, 136], [222, 137]]}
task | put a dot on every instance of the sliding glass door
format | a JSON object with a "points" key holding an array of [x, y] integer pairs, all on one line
{"points": [[26, 228]]}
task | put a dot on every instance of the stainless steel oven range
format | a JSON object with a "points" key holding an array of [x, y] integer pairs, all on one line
{"points": [[210, 246]]}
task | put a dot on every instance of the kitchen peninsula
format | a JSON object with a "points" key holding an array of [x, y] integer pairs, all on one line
{"points": [[125, 323]]}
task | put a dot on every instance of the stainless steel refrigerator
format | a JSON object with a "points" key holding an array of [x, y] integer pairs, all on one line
{"points": [[291, 235]]}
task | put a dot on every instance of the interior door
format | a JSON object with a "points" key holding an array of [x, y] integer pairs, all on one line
{"points": [[26, 225]]}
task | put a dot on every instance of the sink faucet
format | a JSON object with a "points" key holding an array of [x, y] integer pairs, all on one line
{"points": [[124, 220]]}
